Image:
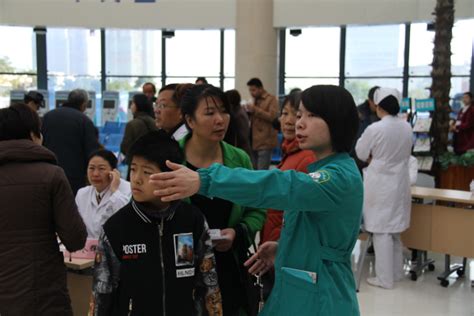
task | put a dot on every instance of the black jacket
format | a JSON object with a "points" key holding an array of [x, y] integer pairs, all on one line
{"points": [[139, 256], [72, 137]]}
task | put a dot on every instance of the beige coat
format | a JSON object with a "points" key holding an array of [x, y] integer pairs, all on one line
{"points": [[264, 136]]}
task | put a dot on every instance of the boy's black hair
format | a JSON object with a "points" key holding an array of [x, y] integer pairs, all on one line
{"points": [[18, 122], [336, 107], [107, 155], [156, 147]]}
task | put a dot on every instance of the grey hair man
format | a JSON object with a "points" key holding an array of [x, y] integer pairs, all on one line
{"points": [[72, 136]]}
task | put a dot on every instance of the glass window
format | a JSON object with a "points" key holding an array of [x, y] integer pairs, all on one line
{"points": [[229, 53], [14, 82], [459, 85], [375, 50], [421, 50], [229, 84], [193, 53], [73, 59], [133, 52], [461, 47], [419, 88], [359, 88], [131, 83], [314, 53], [20, 57], [303, 83], [211, 80]]}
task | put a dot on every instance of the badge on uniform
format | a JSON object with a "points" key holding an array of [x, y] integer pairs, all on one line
{"points": [[320, 177], [184, 249]]}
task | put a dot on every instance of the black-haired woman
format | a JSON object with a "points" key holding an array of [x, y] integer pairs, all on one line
{"points": [[238, 133], [207, 114], [105, 195], [323, 209], [142, 123], [37, 205]]}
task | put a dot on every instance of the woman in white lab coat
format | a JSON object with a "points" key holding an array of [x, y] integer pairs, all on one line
{"points": [[386, 145], [106, 195]]}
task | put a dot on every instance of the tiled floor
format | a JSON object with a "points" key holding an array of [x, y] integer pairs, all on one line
{"points": [[425, 297]]}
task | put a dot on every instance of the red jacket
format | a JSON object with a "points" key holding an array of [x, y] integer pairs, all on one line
{"points": [[293, 159], [464, 135]]}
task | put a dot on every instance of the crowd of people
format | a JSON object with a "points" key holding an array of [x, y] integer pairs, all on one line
{"points": [[173, 238]]}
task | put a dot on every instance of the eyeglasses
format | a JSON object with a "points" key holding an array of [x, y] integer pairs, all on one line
{"points": [[165, 106]]}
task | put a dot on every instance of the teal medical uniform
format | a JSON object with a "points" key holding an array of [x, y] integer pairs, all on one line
{"points": [[323, 210]]}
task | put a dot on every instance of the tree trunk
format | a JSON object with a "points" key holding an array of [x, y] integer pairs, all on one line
{"points": [[441, 73]]}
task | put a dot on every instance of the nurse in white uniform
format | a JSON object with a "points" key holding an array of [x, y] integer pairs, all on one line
{"points": [[386, 145], [106, 195]]}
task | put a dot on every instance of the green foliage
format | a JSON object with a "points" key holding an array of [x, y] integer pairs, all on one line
{"points": [[448, 159], [5, 65], [358, 89]]}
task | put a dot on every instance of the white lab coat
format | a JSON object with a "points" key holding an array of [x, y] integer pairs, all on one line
{"points": [[387, 196], [95, 215]]}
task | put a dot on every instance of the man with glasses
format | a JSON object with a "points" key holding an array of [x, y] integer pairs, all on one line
{"points": [[168, 115]]}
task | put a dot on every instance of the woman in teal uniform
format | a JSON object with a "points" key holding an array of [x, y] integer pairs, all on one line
{"points": [[323, 209]]}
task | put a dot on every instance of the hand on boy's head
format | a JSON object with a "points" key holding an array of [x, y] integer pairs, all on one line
{"points": [[177, 184]]}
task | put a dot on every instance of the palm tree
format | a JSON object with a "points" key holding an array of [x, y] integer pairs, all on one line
{"points": [[441, 73]]}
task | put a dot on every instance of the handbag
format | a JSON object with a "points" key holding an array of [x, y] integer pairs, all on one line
{"points": [[251, 283]]}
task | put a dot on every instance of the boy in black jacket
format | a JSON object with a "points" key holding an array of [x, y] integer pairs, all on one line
{"points": [[155, 258]]}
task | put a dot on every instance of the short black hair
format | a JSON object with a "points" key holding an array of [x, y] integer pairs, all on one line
{"points": [[107, 155], [234, 98], [468, 94], [169, 87], [203, 79], [143, 104], [156, 147], [372, 90], [150, 84], [180, 91], [18, 122], [336, 106], [293, 99], [255, 82], [196, 93]]}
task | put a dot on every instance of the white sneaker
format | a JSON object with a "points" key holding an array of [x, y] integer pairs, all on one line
{"points": [[376, 282]]}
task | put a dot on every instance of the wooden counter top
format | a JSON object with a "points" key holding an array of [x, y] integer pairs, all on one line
{"points": [[443, 195]]}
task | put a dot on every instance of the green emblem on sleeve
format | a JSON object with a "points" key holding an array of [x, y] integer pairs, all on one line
{"points": [[320, 177]]}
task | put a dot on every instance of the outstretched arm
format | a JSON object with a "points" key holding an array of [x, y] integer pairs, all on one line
{"points": [[262, 189]]}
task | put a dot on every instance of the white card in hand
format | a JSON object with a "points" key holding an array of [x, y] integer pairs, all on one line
{"points": [[215, 234]]}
